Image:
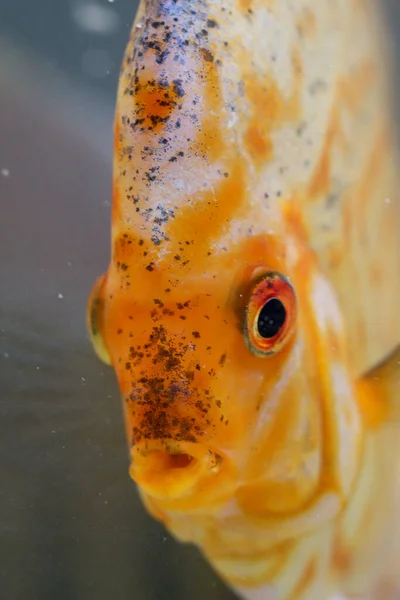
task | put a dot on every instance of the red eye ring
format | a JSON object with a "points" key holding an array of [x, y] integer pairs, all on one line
{"points": [[270, 314]]}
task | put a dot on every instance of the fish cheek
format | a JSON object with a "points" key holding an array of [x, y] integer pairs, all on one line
{"points": [[95, 318]]}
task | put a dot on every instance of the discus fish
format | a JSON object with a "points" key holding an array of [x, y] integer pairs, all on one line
{"points": [[250, 308]]}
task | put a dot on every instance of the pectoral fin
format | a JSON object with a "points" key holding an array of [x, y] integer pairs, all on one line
{"points": [[381, 402], [95, 321]]}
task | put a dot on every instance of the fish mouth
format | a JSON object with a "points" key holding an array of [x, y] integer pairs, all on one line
{"points": [[171, 470]]}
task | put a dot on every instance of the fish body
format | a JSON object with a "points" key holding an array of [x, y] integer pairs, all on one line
{"points": [[250, 308]]}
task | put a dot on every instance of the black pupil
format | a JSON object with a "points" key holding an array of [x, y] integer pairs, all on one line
{"points": [[271, 318]]}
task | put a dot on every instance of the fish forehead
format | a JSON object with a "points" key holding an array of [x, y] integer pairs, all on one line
{"points": [[208, 123], [211, 113]]}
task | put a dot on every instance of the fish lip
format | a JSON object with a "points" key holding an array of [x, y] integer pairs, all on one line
{"points": [[168, 469]]}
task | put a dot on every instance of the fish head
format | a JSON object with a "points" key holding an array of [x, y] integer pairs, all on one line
{"points": [[225, 335]]}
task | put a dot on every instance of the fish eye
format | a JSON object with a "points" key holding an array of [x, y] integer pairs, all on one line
{"points": [[270, 314], [271, 318]]}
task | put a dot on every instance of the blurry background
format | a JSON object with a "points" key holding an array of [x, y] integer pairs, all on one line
{"points": [[71, 523]]}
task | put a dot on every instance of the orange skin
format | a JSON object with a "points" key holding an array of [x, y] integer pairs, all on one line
{"points": [[251, 455]]}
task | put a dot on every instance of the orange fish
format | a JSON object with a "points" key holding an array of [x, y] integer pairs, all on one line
{"points": [[251, 305]]}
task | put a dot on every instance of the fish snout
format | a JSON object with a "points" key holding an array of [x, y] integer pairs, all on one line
{"points": [[167, 469]]}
